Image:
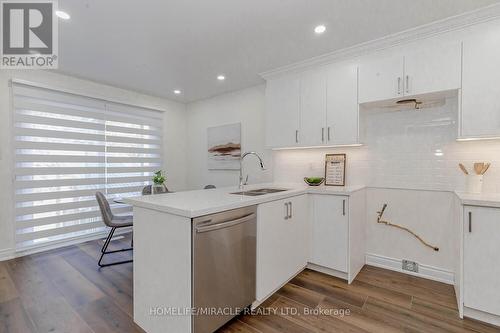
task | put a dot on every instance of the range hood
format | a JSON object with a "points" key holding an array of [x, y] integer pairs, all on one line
{"points": [[415, 102]]}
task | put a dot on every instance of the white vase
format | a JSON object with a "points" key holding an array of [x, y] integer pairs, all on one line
{"points": [[474, 184]]}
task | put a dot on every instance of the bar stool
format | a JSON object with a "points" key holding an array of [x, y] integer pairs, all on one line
{"points": [[114, 222]]}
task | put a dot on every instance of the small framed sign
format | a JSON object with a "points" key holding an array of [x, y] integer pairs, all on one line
{"points": [[335, 169]]}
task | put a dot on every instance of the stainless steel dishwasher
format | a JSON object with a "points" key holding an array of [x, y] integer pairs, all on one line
{"points": [[224, 260]]}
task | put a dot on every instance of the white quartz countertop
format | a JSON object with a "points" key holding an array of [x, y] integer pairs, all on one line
{"points": [[202, 202], [483, 199]]}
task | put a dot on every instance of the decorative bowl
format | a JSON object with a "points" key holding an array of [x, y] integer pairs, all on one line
{"points": [[314, 181]]}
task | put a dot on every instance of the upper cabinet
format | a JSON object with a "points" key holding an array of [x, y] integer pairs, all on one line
{"points": [[435, 66], [417, 68], [381, 77], [342, 113], [282, 111], [325, 108], [313, 108], [480, 113]]}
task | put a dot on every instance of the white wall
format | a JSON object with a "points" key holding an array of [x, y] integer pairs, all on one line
{"points": [[175, 128], [430, 214], [245, 107]]}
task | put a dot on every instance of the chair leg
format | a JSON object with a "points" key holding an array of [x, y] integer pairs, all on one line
{"points": [[105, 247], [108, 239]]}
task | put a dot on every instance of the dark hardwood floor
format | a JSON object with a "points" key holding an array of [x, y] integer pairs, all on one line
{"points": [[64, 291]]}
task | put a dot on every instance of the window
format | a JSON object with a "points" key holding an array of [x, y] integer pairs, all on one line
{"points": [[67, 147]]}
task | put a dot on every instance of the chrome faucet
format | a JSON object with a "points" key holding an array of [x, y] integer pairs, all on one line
{"points": [[241, 165]]}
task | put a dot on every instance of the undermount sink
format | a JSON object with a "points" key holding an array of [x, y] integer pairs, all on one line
{"points": [[260, 191]]}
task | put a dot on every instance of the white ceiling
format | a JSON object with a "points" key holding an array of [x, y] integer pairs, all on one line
{"points": [[158, 46]]}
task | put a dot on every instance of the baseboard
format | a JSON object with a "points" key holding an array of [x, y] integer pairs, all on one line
{"points": [[425, 271], [328, 271], [7, 254], [482, 316]]}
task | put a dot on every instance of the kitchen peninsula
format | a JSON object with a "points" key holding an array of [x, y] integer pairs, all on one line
{"points": [[295, 226]]}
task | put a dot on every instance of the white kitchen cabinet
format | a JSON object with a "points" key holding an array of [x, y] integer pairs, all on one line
{"points": [[330, 231], [337, 234], [481, 264], [418, 68], [480, 107], [299, 211], [313, 108], [325, 108], [381, 77], [342, 115], [434, 66], [282, 244], [282, 112]]}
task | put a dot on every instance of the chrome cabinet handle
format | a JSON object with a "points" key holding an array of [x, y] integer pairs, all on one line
{"points": [[322, 134], [470, 222], [407, 84], [399, 85], [291, 210], [328, 133], [296, 136], [286, 210], [343, 207]]}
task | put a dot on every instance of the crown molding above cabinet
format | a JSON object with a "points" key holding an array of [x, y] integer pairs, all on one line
{"points": [[452, 23]]}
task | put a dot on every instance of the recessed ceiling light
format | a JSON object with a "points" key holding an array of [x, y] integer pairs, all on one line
{"points": [[177, 92], [63, 15], [221, 77], [320, 29]]}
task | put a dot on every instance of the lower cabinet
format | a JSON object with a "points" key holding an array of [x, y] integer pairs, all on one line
{"points": [[337, 234], [330, 231], [325, 231], [481, 253], [282, 242]]}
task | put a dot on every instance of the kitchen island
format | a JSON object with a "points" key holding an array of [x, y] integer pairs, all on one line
{"points": [[285, 243]]}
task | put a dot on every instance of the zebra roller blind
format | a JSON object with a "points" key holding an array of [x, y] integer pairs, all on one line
{"points": [[67, 147]]}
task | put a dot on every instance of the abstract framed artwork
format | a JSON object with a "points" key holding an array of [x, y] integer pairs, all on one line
{"points": [[224, 147]]}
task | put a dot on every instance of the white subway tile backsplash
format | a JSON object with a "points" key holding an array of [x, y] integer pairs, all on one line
{"points": [[402, 149]]}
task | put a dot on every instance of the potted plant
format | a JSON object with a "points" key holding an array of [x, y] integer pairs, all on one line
{"points": [[158, 182]]}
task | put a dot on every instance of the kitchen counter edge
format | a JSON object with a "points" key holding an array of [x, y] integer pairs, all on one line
{"points": [[247, 201], [480, 199]]}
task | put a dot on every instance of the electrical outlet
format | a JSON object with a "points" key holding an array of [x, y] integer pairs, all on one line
{"points": [[411, 266]]}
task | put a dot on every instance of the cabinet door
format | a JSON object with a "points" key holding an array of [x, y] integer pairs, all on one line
{"points": [[299, 238], [380, 77], [282, 112], [313, 108], [330, 230], [482, 259], [274, 247], [342, 104], [480, 115], [433, 66]]}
